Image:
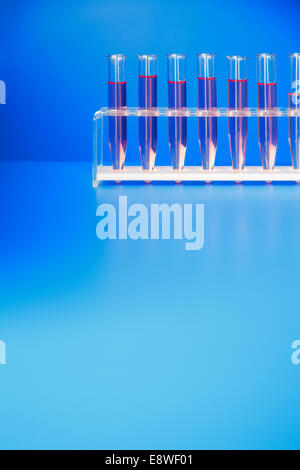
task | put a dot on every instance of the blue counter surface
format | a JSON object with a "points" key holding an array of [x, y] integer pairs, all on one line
{"points": [[124, 344]]}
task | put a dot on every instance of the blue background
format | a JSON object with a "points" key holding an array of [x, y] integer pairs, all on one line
{"points": [[54, 62], [140, 344]]}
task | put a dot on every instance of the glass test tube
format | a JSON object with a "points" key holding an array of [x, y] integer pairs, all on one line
{"points": [[177, 100], [147, 65], [237, 99], [294, 103], [267, 99], [207, 99], [117, 125]]}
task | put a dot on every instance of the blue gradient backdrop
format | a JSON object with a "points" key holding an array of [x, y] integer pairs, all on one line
{"points": [[54, 62], [140, 344]]}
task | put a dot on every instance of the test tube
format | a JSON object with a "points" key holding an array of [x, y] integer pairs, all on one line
{"points": [[294, 103], [147, 65], [267, 126], [177, 100], [237, 99], [117, 125], [207, 99]]}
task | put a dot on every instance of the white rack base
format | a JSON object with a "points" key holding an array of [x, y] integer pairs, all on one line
{"points": [[196, 173]]}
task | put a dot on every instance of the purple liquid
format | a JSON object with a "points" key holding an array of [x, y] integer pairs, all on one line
{"points": [[237, 126], [267, 126], [294, 130], [117, 126], [148, 125], [177, 125], [207, 126]]}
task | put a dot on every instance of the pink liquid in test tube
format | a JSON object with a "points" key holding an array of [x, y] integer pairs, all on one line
{"points": [[117, 125], [267, 99], [177, 100], [207, 99], [237, 100], [147, 100]]}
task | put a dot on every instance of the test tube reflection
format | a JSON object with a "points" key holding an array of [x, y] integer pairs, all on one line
{"points": [[294, 103], [117, 125], [147, 100], [267, 99], [237, 99], [207, 99], [177, 100]]}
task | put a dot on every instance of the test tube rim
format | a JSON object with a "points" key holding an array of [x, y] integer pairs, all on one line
{"points": [[206, 54], [116, 56], [239, 57], [147, 56], [175, 55], [266, 54], [294, 54]]}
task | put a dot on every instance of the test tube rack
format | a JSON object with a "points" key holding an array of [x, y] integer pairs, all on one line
{"points": [[103, 172]]}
